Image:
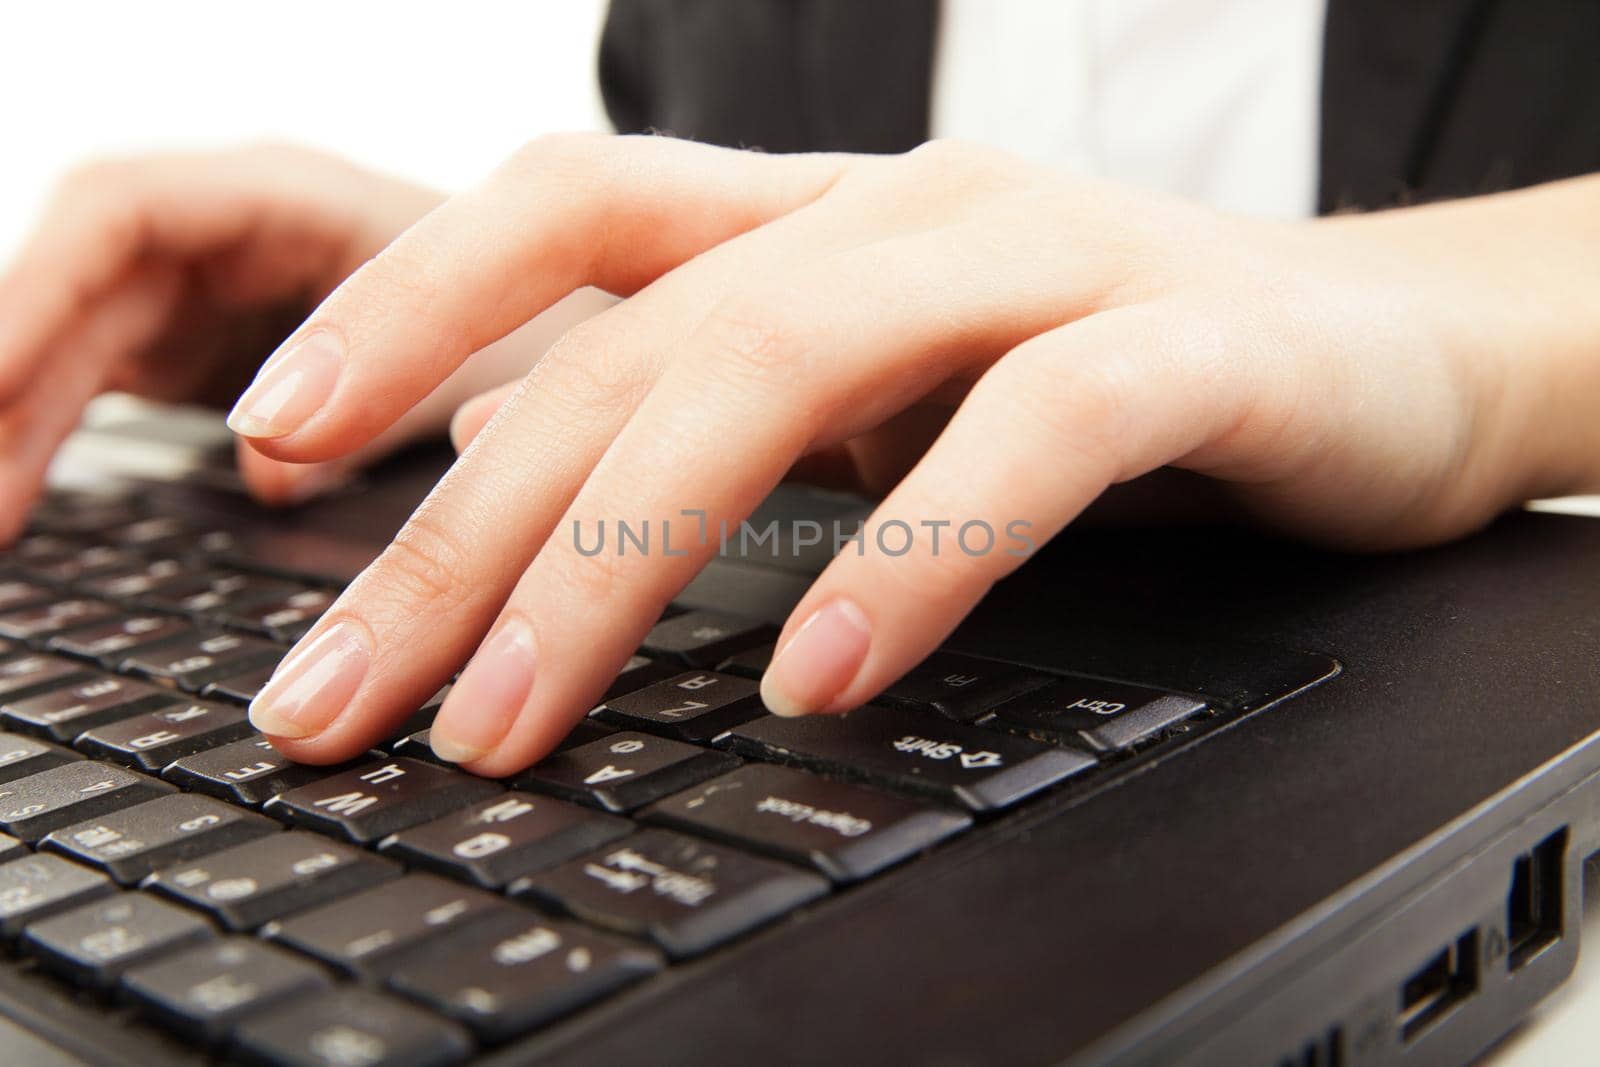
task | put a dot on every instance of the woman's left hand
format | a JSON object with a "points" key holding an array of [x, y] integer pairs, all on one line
{"points": [[1360, 381]]}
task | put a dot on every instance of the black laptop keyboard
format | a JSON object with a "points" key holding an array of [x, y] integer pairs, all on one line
{"points": [[162, 855]]}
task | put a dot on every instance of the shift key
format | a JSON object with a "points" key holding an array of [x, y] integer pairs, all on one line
{"points": [[915, 752]]}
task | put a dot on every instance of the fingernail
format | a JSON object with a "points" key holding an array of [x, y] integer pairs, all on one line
{"points": [[815, 665], [312, 686], [485, 700], [290, 387]]}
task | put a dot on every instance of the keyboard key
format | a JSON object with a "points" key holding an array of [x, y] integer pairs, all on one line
{"points": [[74, 565], [94, 943], [36, 623], [508, 984], [696, 706], [23, 756], [706, 638], [217, 592], [286, 618], [63, 714], [1105, 716], [247, 885], [36, 887], [639, 672], [416, 746], [624, 771], [504, 838], [136, 579], [751, 663], [11, 848], [963, 688], [191, 663], [109, 643], [684, 894], [249, 772], [847, 832], [24, 675], [350, 1027], [377, 799], [240, 688], [16, 594], [371, 933], [73, 792], [135, 842], [981, 769], [202, 992], [154, 739]]}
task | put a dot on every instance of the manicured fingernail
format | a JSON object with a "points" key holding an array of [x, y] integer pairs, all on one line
{"points": [[290, 387], [487, 697], [312, 686], [815, 665]]}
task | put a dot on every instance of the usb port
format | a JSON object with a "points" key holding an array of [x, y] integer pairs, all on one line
{"points": [[1439, 986], [1533, 907]]}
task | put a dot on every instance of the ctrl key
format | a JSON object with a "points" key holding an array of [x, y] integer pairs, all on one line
{"points": [[513, 981], [92, 945], [204, 991], [350, 1027]]}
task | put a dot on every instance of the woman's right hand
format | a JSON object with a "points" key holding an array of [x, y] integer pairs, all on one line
{"points": [[172, 277]]}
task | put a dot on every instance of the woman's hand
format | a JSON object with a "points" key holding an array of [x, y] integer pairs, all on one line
{"points": [[171, 276], [1380, 381]]}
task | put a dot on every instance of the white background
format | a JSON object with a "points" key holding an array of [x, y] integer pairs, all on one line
{"points": [[435, 93]]}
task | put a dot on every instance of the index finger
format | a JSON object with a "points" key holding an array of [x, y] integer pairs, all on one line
{"points": [[567, 211]]}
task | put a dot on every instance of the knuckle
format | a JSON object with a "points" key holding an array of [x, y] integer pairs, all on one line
{"points": [[554, 155], [589, 372], [1083, 407], [423, 565], [751, 339]]}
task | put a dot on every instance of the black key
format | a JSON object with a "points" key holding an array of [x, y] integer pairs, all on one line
{"points": [[247, 885], [505, 985], [136, 579], [751, 663], [982, 769], [109, 643], [416, 746], [696, 706], [249, 772], [369, 934], [154, 739], [684, 894], [11, 848], [33, 806], [1102, 715], [144, 532], [21, 756], [504, 838], [419, 720], [63, 714], [847, 832], [241, 688], [135, 842], [80, 563], [36, 887], [216, 593], [624, 771], [350, 1027], [964, 688], [706, 638], [286, 618], [33, 624], [639, 672], [193, 662], [202, 992], [94, 943], [377, 799], [24, 675], [15, 594], [70, 512]]}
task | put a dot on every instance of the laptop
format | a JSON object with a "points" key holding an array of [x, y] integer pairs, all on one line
{"points": [[1187, 795]]}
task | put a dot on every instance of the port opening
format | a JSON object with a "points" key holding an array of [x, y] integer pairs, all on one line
{"points": [[1533, 907], [1439, 986]]}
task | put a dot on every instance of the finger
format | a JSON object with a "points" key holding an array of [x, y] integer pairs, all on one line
{"points": [[471, 416], [615, 212], [817, 355], [1049, 427], [33, 425]]}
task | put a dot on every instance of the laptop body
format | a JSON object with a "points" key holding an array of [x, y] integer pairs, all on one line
{"points": [[1367, 852]]}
